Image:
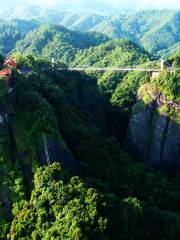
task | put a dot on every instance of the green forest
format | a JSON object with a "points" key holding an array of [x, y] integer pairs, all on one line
{"points": [[70, 167], [157, 31]]}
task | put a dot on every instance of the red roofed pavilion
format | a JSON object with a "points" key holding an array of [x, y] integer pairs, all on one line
{"points": [[10, 62], [5, 72]]}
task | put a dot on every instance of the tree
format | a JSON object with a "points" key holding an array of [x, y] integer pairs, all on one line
{"points": [[60, 208]]}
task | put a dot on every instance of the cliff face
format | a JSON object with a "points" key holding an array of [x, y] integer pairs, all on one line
{"points": [[154, 130], [80, 98]]}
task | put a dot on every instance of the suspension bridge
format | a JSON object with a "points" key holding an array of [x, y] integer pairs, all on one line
{"points": [[163, 65], [103, 69]]}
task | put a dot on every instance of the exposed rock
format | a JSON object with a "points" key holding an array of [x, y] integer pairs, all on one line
{"points": [[62, 155], [171, 150], [138, 131], [154, 131], [155, 148]]}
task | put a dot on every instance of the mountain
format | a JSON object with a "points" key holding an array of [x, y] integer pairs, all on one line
{"points": [[114, 53], [89, 154], [8, 37], [23, 26], [80, 49], [13, 31], [156, 31], [20, 8], [57, 41]]}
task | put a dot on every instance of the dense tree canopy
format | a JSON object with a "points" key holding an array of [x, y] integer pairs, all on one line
{"points": [[92, 188]]}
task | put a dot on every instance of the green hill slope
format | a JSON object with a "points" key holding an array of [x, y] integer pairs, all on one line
{"points": [[157, 31], [118, 52], [13, 31], [57, 41], [9, 35]]}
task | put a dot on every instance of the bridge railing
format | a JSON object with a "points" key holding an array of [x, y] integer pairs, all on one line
{"points": [[119, 69]]}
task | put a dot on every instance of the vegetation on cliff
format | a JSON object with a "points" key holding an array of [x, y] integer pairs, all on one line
{"points": [[113, 197]]}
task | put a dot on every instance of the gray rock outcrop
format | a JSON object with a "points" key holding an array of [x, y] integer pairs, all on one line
{"points": [[154, 134]]}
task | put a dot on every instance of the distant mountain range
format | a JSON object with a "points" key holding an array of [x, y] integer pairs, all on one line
{"points": [[18, 8], [156, 31]]}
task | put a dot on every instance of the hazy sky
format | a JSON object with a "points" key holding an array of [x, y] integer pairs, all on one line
{"points": [[120, 4], [155, 3]]}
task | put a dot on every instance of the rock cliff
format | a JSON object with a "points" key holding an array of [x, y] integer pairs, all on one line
{"points": [[154, 130]]}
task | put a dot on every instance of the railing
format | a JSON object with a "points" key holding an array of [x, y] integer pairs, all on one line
{"points": [[81, 69]]}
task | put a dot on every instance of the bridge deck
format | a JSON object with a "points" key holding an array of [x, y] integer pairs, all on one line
{"points": [[80, 69]]}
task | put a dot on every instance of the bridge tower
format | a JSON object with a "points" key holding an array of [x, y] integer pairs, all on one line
{"points": [[162, 64], [53, 62]]}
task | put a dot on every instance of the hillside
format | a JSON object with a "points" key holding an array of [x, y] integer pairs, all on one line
{"points": [[57, 41], [156, 31], [9, 35], [24, 26], [118, 52], [13, 31]]}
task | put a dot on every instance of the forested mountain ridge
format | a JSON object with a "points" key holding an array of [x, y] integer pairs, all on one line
{"points": [[8, 38], [77, 49], [12, 32], [156, 31], [113, 53], [52, 40]]}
